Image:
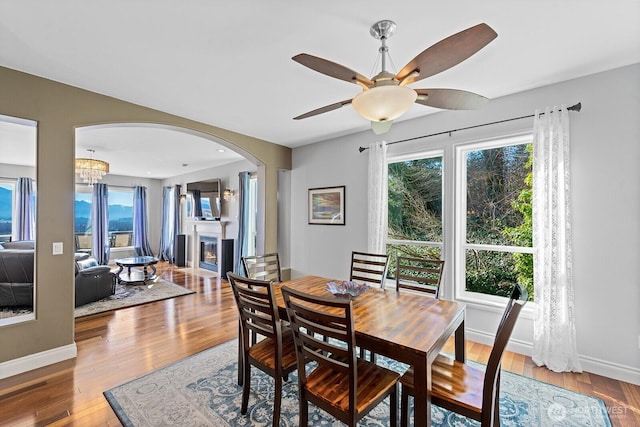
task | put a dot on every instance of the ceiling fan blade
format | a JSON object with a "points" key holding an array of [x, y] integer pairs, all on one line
{"points": [[447, 53], [331, 69], [324, 109], [450, 99]]}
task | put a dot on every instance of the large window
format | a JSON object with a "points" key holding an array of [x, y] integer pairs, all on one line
{"points": [[494, 248], [489, 214], [120, 217], [6, 209], [415, 208]]}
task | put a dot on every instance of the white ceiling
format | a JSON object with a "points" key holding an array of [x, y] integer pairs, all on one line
{"points": [[228, 63]]}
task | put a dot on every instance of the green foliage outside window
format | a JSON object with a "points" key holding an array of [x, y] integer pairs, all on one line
{"points": [[522, 234], [415, 208], [499, 212]]}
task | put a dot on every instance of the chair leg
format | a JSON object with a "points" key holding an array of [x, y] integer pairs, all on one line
{"points": [[277, 401], [393, 406], [303, 409], [404, 407], [246, 386]]}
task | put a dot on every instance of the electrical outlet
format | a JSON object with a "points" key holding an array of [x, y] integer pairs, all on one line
{"points": [[57, 248]]}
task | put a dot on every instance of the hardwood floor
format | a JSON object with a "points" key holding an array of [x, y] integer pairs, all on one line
{"points": [[116, 347]]}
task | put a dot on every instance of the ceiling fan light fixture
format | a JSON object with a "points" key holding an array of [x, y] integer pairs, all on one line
{"points": [[381, 127], [384, 103]]}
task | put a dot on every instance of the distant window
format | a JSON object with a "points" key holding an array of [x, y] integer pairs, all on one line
{"points": [[120, 214], [6, 209]]}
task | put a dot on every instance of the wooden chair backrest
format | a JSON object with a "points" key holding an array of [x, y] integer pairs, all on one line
{"points": [[419, 274], [369, 268], [491, 386], [263, 267], [257, 307], [324, 332]]}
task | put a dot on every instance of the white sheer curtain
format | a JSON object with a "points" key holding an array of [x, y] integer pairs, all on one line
{"points": [[377, 200], [554, 342]]}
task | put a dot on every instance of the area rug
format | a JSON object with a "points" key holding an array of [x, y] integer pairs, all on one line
{"points": [[130, 295], [202, 390]]}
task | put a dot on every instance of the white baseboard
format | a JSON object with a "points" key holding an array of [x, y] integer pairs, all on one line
{"points": [[37, 360], [613, 370]]}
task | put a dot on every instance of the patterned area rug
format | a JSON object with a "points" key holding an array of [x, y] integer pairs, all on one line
{"points": [[130, 295], [202, 390]]}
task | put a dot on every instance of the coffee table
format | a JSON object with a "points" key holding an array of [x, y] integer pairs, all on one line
{"points": [[148, 269]]}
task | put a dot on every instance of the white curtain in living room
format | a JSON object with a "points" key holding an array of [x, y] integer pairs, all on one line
{"points": [[554, 341], [377, 197]]}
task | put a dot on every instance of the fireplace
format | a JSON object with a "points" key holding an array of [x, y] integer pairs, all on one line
{"points": [[209, 253]]}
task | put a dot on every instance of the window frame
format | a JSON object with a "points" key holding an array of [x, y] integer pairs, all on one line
{"points": [[453, 176], [460, 245], [10, 182], [85, 189], [428, 154]]}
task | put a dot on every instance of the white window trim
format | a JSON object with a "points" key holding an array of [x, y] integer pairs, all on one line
{"points": [[475, 299]]}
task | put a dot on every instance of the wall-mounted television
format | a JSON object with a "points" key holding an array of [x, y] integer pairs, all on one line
{"points": [[203, 199]]}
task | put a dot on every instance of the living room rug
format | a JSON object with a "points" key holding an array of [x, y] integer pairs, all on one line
{"points": [[136, 294], [202, 390]]}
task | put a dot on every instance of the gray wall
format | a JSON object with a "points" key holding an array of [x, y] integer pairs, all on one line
{"points": [[605, 201]]}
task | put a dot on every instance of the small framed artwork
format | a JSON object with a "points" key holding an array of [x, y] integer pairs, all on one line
{"points": [[326, 205]]}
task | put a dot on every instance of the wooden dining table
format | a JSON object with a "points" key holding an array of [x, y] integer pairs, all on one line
{"points": [[406, 327]]}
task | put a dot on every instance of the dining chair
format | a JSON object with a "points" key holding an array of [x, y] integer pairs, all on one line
{"points": [[419, 274], [462, 388], [340, 383], [369, 268], [263, 267], [275, 353]]}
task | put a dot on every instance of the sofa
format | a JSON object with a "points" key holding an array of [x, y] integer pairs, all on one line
{"points": [[16, 274], [93, 281]]}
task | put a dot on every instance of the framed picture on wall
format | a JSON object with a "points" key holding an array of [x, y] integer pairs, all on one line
{"points": [[326, 205]]}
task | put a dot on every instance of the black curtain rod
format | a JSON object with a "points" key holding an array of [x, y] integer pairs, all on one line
{"points": [[577, 107]]}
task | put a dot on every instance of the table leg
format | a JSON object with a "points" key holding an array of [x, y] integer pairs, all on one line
{"points": [[120, 268], [460, 345], [153, 271], [422, 396]]}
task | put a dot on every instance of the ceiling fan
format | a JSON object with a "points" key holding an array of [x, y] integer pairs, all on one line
{"points": [[386, 96]]}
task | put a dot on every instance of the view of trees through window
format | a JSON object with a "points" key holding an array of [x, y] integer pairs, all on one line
{"points": [[498, 219], [415, 209], [497, 191]]}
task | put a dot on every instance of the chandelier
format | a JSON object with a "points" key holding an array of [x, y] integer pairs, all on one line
{"points": [[90, 169]]}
